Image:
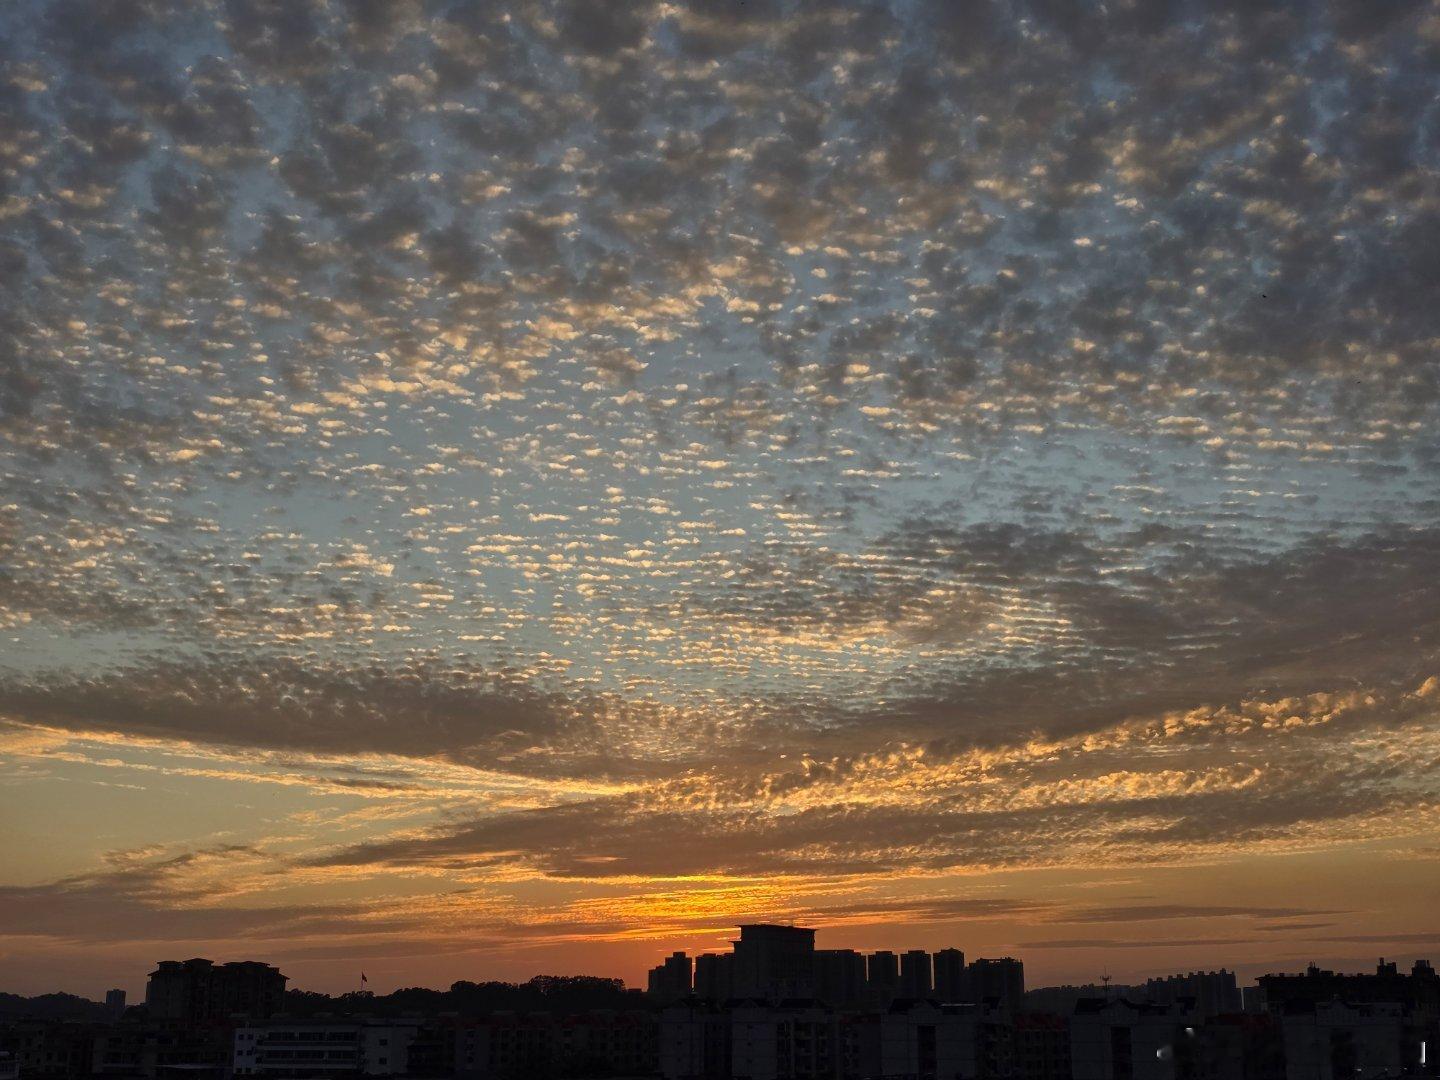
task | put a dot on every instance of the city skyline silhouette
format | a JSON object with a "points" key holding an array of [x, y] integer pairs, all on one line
{"points": [[521, 488], [774, 1007]]}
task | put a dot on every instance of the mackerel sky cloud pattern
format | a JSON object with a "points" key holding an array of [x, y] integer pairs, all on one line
{"points": [[581, 472]]}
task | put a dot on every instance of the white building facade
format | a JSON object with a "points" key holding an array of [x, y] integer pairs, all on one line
{"points": [[322, 1048]]}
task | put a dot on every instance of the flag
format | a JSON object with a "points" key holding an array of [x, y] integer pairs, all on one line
{"points": [[363, 979]]}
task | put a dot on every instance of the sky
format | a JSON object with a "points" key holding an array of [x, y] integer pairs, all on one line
{"points": [[517, 488]]}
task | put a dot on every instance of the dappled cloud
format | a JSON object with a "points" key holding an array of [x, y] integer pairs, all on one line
{"points": [[586, 472]]}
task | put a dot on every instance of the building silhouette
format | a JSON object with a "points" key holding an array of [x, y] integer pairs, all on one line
{"points": [[949, 967], [1211, 993], [839, 976], [882, 972], [715, 976], [916, 980], [1001, 981], [1316, 1025], [1418, 991], [774, 962], [672, 979], [197, 990]]}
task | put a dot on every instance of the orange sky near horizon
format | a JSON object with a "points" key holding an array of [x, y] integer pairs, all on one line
{"points": [[513, 488]]}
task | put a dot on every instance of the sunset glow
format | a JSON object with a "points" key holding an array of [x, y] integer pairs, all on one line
{"points": [[517, 488]]}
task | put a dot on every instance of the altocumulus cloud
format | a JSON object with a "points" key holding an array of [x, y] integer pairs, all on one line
{"points": [[780, 439]]}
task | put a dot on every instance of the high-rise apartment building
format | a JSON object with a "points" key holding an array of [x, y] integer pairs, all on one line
{"points": [[671, 979], [949, 965], [839, 976], [1001, 981], [199, 990], [882, 971], [715, 976], [774, 962], [915, 977]]}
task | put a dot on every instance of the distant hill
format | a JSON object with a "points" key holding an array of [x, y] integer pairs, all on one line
{"points": [[557, 993], [52, 1007]]}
